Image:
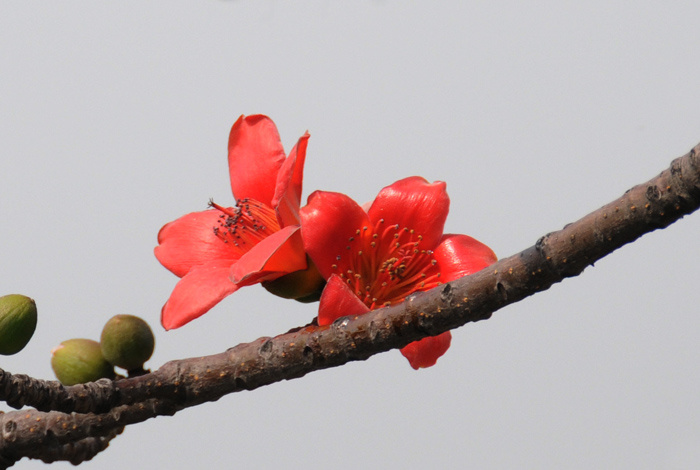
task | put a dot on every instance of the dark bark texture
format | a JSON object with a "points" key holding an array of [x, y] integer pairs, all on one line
{"points": [[75, 423]]}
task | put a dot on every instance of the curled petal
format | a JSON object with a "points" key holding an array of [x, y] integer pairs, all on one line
{"points": [[460, 255], [337, 300], [190, 241], [287, 199], [196, 293], [278, 254], [425, 352], [327, 221], [414, 203], [255, 155]]}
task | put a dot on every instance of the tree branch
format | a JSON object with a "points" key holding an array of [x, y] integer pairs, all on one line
{"points": [[88, 416]]}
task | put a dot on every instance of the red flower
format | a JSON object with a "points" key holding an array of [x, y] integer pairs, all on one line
{"points": [[379, 257], [219, 250]]}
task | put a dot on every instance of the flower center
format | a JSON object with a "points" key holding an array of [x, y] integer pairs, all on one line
{"points": [[386, 264], [246, 224]]}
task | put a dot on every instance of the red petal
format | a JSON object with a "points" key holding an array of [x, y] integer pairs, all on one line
{"points": [[255, 155], [280, 253], [425, 352], [327, 221], [196, 293], [287, 199], [414, 203], [337, 300], [190, 241], [460, 255]]}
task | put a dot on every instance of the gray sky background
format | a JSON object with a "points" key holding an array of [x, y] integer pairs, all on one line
{"points": [[114, 119]]}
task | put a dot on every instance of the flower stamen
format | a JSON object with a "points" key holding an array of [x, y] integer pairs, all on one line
{"points": [[246, 224], [386, 264]]}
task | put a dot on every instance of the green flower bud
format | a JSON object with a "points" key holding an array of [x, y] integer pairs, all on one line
{"points": [[77, 361], [304, 286], [17, 322], [127, 341]]}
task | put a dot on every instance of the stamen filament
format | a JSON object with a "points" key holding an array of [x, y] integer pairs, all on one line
{"points": [[384, 265], [246, 224]]}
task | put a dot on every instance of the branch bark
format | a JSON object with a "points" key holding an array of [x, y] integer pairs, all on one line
{"points": [[74, 423]]}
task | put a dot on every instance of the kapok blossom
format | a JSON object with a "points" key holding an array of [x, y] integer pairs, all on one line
{"points": [[378, 257], [217, 251]]}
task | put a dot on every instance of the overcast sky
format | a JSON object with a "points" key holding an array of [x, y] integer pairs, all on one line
{"points": [[114, 120]]}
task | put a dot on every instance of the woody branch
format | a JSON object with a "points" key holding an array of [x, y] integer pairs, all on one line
{"points": [[75, 423]]}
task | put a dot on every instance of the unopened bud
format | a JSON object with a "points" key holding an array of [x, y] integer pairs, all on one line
{"points": [[77, 361], [127, 341], [17, 322], [305, 285]]}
